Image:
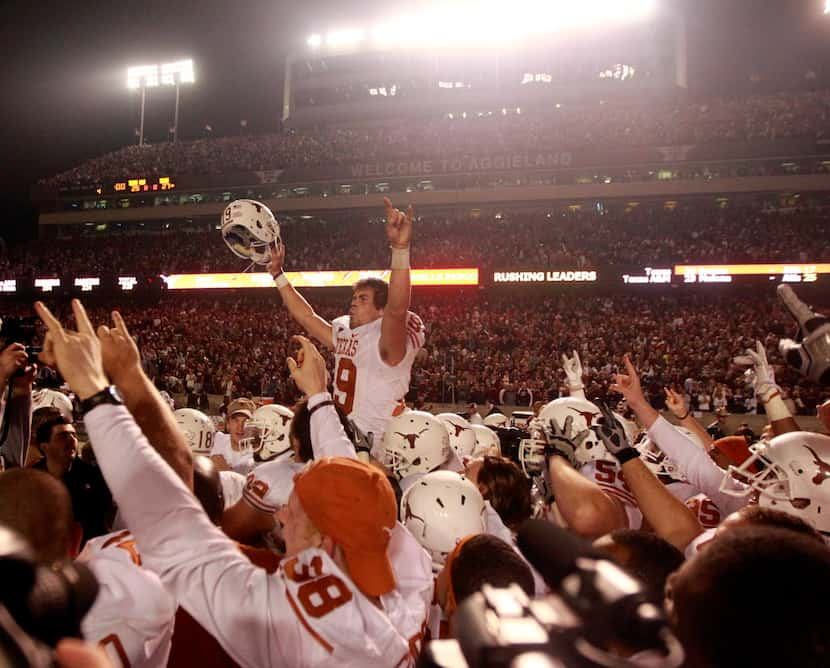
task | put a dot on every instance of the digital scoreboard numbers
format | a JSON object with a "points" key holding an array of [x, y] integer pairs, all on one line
{"points": [[727, 273], [144, 185]]}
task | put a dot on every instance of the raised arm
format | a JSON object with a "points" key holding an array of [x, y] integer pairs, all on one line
{"points": [[122, 363], [18, 415], [328, 438], [683, 413], [393, 332], [297, 306], [666, 514], [196, 561], [767, 390], [573, 371]]}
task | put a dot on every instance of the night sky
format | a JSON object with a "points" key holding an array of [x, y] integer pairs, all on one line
{"points": [[64, 94]]}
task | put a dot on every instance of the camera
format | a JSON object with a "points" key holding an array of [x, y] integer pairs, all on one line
{"points": [[39, 604], [597, 615], [20, 330]]}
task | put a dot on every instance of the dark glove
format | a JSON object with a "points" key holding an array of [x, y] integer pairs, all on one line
{"points": [[612, 435], [561, 441]]}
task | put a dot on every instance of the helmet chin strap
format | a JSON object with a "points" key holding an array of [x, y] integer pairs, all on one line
{"points": [[249, 267]]}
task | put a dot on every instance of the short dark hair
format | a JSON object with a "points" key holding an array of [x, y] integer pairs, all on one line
{"points": [[379, 288], [300, 429], [44, 430], [772, 517], [650, 559], [487, 559], [755, 596], [38, 506], [507, 489]]}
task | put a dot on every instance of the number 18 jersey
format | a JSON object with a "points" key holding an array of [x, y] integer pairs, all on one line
{"points": [[366, 388]]}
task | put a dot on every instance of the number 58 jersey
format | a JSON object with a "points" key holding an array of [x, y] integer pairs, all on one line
{"points": [[366, 388]]}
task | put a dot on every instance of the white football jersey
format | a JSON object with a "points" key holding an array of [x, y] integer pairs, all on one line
{"points": [[609, 476], [240, 462], [367, 389], [269, 485], [232, 485], [133, 615], [706, 510]]}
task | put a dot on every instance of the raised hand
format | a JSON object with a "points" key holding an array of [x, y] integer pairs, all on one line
{"points": [[613, 437], [12, 358], [77, 355], [119, 352], [764, 376], [676, 404], [398, 224], [573, 370], [275, 266], [628, 383], [562, 440], [309, 369]]}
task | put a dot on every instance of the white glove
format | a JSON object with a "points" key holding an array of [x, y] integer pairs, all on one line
{"points": [[764, 380], [573, 370]]}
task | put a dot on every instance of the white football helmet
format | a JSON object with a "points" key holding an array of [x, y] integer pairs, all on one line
{"points": [[656, 460], [487, 442], [790, 473], [197, 428], [496, 420], [439, 510], [45, 397], [415, 442], [266, 433], [249, 228], [462, 436], [585, 416]]}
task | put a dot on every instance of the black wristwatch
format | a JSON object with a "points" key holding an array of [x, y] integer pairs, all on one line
{"points": [[109, 395]]}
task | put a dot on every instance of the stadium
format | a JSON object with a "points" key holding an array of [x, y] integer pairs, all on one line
{"points": [[583, 250]]}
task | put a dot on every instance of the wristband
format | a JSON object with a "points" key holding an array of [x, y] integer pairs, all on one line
{"points": [[626, 454], [280, 280], [400, 258], [328, 402]]}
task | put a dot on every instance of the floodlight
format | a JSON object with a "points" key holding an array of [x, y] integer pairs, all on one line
{"points": [[345, 38], [179, 72], [314, 41], [827, 6], [143, 76]]}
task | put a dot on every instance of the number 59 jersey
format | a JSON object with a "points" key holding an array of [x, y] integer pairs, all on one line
{"points": [[366, 388]]}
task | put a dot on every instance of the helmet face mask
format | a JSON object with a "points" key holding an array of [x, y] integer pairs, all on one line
{"points": [[790, 473], [267, 433]]}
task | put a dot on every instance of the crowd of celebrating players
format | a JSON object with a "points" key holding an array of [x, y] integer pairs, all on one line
{"points": [[331, 524]]}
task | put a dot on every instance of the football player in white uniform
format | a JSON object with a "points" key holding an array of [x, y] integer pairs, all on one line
{"points": [[376, 343], [336, 599]]}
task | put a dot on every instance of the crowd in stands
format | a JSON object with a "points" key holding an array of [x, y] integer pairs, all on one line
{"points": [[648, 235], [482, 348], [648, 123]]}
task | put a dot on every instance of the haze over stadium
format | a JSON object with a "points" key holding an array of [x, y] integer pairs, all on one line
{"points": [[319, 317]]}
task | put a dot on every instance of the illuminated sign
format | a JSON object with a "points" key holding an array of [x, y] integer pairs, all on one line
{"points": [[47, 284], [8, 285], [318, 279], [649, 276], [87, 283], [723, 273], [127, 282], [544, 276], [144, 185]]}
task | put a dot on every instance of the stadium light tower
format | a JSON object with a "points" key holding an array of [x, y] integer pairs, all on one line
{"points": [[142, 77], [152, 76]]}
